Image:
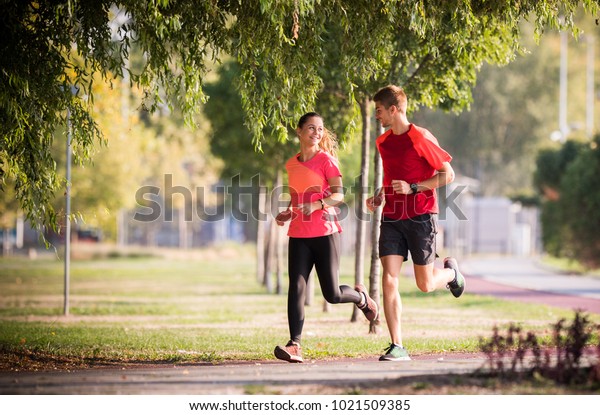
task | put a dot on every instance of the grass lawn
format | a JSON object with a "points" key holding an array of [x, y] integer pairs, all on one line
{"points": [[208, 306]]}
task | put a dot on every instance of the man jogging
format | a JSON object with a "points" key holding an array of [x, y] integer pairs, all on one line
{"points": [[414, 165]]}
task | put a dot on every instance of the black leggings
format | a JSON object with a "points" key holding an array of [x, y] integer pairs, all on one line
{"points": [[324, 253]]}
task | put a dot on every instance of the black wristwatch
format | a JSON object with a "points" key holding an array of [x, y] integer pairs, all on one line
{"points": [[414, 187]]}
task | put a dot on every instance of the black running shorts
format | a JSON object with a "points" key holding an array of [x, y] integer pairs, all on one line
{"points": [[415, 235]]}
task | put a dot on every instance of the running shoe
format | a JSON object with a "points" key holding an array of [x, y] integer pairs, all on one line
{"points": [[291, 352], [395, 353], [369, 308], [456, 286]]}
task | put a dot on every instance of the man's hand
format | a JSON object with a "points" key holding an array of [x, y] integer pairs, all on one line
{"points": [[401, 187]]}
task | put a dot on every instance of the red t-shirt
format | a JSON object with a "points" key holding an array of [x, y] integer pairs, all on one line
{"points": [[413, 156], [308, 182]]}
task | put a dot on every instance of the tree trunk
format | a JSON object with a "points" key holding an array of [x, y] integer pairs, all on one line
{"points": [[270, 254], [375, 274], [326, 305], [6, 242], [278, 237], [361, 225], [270, 246], [122, 227], [260, 234], [183, 228]]}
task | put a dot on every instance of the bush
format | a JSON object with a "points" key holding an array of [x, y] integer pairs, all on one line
{"points": [[581, 203], [570, 216], [519, 355]]}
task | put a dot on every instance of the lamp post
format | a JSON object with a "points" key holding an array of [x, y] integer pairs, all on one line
{"points": [[68, 217], [589, 126], [120, 18], [67, 271], [562, 100]]}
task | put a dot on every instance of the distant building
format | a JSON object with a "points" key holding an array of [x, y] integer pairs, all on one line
{"points": [[474, 225]]}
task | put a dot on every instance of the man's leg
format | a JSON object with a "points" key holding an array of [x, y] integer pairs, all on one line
{"points": [[429, 278], [392, 304], [421, 235]]}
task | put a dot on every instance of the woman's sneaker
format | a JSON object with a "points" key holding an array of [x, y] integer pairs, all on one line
{"points": [[456, 286], [369, 308], [395, 353], [291, 352]]}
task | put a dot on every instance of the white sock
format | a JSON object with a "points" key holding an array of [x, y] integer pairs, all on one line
{"points": [[364, 301]]}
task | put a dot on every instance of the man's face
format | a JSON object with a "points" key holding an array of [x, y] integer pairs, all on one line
{"points": [[383, 115]]}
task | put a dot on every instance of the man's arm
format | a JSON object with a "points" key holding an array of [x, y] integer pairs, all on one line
{"points": [[444, 176]]}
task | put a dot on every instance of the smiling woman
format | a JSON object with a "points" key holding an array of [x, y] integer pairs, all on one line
{"points": [[315, 184]]}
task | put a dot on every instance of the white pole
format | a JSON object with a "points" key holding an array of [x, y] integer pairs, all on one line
{"points": [[562, 113], [68, 217], [20, 232], [590, 87]]}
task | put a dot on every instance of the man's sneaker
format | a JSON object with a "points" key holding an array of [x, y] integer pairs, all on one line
{"points": [[456, 286], [291, 352], [395, 353], [370, 307]]}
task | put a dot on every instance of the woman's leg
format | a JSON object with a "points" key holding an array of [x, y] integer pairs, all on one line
{"points": [[326, 251], [300, 263]]}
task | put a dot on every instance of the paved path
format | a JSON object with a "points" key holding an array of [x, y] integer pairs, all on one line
{"points": [[524, 279], [511, 278], [233, 378]]}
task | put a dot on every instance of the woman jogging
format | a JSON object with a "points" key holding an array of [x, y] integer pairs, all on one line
{"points": [[315, 185]]}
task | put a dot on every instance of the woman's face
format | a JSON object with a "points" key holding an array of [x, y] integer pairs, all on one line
{"points": [[311, 132]]}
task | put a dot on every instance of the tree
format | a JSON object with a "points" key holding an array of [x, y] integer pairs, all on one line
{"points": [[100, 189], [581, 204], [557, 210], [261, 172], [433, 51], [433, 48], [513, 113], [48, 47], [9, 211]]}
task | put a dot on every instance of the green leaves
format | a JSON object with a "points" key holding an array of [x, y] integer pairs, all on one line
{"points": [[568, 177], [289, 52]]}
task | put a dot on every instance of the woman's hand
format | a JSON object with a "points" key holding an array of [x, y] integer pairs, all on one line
{"points": [[375, 201], [283, 217], [309, 208]]}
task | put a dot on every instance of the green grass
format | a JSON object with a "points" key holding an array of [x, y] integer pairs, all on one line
{"points": [[569, 265], [211, 308]]}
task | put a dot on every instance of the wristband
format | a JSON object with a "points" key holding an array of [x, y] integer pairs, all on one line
{"points": [[322, 204]]}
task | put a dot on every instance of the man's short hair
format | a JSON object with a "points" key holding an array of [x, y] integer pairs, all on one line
{"points": [[391, 95]]}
